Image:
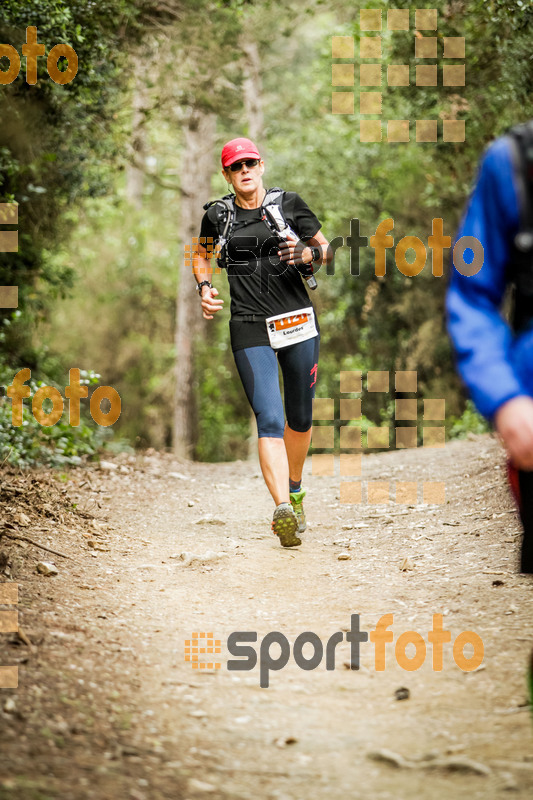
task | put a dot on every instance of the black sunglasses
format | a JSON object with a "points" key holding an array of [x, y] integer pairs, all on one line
{"points": [[250, 162]]}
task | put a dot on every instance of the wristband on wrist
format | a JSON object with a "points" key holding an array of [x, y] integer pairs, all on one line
{"points": [[200, 285], [316, 254]]}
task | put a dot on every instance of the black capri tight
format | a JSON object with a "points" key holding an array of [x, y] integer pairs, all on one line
{"points": [[258, 369]]}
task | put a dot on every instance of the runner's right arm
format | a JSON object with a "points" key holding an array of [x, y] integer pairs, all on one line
{"points": [[203, 271]]}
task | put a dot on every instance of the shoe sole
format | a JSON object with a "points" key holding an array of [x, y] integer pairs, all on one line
{"points": [[285, 526]]}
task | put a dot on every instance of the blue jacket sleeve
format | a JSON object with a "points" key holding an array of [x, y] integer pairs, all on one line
{"points": [[481, 337]]}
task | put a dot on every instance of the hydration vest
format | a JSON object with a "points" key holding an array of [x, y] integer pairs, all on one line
{"points": [[271, 209]]}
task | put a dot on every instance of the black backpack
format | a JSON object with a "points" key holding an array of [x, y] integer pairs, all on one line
{"points": [[226, 213], [520, 275]]}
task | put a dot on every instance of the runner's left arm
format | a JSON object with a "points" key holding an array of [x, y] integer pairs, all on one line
{"points": [[307, 227], [481, 337], [298, 253]]}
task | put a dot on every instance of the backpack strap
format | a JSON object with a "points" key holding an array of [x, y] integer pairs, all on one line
{"points": [[273, 199], [274, 195], [226, 215], [520, 138], [273, 216], [225, 221], [272, 213]]}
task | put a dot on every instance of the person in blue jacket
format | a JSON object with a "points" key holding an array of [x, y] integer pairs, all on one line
{"points": [[495, 361]]}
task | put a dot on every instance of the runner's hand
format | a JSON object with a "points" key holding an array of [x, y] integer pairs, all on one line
{"points": [[514, 423], [210, 303], [296, 253]]}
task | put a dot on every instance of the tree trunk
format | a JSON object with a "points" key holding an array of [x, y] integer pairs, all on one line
{"points": [[196, 172], [134, 174], [253, 90]]}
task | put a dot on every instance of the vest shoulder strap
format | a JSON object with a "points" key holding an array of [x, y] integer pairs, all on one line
{"points": [[274, 196], [225, 211], [520, 268], [226, 215], [521, 141]]}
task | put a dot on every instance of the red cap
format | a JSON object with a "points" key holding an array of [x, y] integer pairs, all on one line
{"points": [[238, 149]]}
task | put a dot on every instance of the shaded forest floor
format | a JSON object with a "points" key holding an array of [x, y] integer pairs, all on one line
{"points": [[107, 706]]}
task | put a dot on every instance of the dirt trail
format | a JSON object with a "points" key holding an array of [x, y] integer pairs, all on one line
{"points": [[107, 707]]}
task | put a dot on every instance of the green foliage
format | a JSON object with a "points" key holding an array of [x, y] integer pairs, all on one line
{"points": [[120, 317], [58, 143], [31, 444], [470, 421], [223, 411]]}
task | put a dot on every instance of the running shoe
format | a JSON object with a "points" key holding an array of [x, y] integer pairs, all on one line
{"points": [[285, 525], [298, 507]]}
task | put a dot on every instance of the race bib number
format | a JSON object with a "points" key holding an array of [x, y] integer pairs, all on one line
{"points": [[296, 326]]}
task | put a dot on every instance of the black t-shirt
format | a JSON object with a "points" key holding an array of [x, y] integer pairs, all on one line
{"points": [[260, 282]]}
